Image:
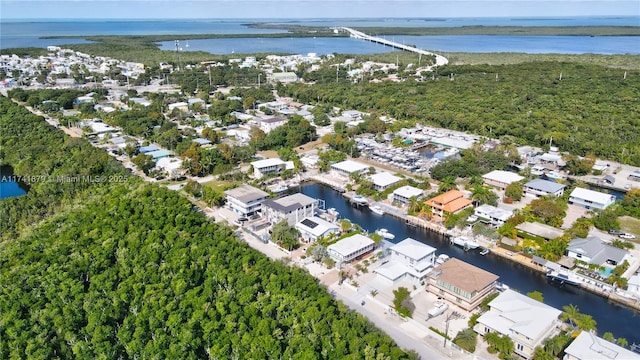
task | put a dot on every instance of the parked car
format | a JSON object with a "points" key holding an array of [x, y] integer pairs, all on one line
{"points": [[627, 236], [615, 232]]}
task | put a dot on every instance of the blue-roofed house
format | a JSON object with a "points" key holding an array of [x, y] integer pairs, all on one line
{"points": [[541, 187], [148, 149], [159, 154]]}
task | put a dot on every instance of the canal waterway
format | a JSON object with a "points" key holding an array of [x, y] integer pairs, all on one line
{"points": [[621, 321]]}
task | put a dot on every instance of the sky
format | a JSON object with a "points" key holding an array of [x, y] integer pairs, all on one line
{"points": [[245, 9]]}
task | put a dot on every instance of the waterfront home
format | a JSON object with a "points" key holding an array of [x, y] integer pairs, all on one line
{"points": [[540, 230], [350, 248], [491, 215], [348, 167], [462, 284], [592, 250], [408, 258], [384, 180], [404, 194], [541, 187], [501, 179], [269, 124], [313, 228], [588, 346], [527, 322], [551, 160], [245, 200], [268, 167], [590, 199], [294, 208], [452, 201]]}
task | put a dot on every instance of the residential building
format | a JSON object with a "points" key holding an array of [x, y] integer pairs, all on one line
{"points": [[541, 187], [269, 124], [492, 215], [294, 208], [527, 322], [182, 106], [313, 228], [159, 154], [541, 230], [633, 285], [551, 160], [408, 258], [592, 250], [148, 148], [382, 181], [501, 179], [591, 199], [588, 346], [245, 200], [282, 77], [451, 202], [202, 142], [172, 166], [462, 284], [350, 248], [267, 167], [404, 194], [348, 167]]}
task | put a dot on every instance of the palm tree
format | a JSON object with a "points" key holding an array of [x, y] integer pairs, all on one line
{"points": [[585, 322], [570, 313], [623, 342], [466, 339], [483, 195]]}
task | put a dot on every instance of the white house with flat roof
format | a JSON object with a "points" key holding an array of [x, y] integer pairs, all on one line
{"points": [[526, 321], [541, 187], [350, 248], [404, 194], [408, 258], [245, 200], [294, 208], [313, 228], [172, 166], [501, 179], [588, 346], [492, 215], [348, 167], [381, 181], [591, 199], [269, 124], [267, 167]]}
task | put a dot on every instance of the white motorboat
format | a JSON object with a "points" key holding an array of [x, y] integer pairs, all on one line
{"points": [[501, 286], [442, 258], [438, 308], [466, 242], [376, 210], [385, 234], [484, 251]]}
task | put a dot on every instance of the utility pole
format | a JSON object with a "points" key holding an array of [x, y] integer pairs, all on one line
{"points": [[178, 52], [210, 84], [446, 328], [259, 75]]}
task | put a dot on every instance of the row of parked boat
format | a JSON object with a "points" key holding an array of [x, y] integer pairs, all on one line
{"points": [[388, 154]]}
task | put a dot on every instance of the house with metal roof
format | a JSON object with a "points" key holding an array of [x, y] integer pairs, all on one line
{"points": [[245, 200], [593, 250], [294, 208], [407, 259], [348, 167], [350, 248], [451, 202], [159, 154], [539, 229], [591, 199], [461, 283], [588, 346], [404, 194], [541, 187], [267, 167], [313, 228], [501, 179], [527, 322], [382, 181]]}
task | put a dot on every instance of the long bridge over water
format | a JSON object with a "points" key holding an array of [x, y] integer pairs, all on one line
{"points": [[440, 60]]}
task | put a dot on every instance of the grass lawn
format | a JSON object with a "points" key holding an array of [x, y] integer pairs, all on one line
{"points": [[630, 225], [217, 184]]}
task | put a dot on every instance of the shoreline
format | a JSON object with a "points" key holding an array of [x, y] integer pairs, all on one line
{"points": [[518, 258]]}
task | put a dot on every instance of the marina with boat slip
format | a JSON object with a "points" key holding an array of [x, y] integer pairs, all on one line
{"points": [[514, 269]]}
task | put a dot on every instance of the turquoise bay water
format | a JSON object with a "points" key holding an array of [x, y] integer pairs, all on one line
{"points": [[26, 33]]}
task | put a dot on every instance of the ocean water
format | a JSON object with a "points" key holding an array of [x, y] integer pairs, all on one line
{"points": [[25, 33]]}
